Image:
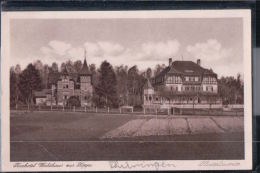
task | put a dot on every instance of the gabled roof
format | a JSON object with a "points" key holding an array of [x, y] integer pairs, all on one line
{"points": [[65, 72], [191, 68], [85, 70], [168, 70], [42, 94], [173, 71], [207, 71], [163, 72], [148, 85], [185, 68], [54, 77]]}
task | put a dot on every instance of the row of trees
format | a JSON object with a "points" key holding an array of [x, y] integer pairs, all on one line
{"points": [[231, 90], [113, 86]]}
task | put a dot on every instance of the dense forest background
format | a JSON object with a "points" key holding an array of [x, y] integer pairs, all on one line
{"points": [[113, 86]]}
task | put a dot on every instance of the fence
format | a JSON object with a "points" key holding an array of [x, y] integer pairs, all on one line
{"points": [[236, 110]]}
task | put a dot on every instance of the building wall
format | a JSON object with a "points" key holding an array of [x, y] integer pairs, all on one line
{"points": [[50, 100], [86, 90], [40, 101], [148, 96], [176, 83], [148, 91], [173, 87], [177, 100], [65, 89], [213, 88]]}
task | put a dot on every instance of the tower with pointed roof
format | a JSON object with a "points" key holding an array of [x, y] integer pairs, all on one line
{"points": [[86, 87], [148, 93]]}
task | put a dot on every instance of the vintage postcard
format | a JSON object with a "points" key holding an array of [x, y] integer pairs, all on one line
{"points": [[126, 90]]}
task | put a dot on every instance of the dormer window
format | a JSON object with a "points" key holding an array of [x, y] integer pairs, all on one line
{"points": [[188, 71]]}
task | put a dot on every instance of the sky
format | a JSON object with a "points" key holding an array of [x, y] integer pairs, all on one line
{"points": [[218, 42]]}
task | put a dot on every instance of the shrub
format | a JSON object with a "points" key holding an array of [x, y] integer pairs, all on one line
{"points": [[73, 101]]}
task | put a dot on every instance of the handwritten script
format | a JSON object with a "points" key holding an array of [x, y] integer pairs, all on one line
{"points": [[124, 165], [219, 163], [51, 165], [156, 165]]}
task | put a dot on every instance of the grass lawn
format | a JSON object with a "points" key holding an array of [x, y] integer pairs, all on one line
{"points": [[49, 136]]}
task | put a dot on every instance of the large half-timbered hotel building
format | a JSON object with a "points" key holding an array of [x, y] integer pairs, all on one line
{"points": [[182, 83]]}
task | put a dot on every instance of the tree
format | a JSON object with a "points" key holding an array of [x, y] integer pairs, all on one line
{"points": [[92, 68], [106, 88], [29, 81], [54, 67], [135, 83], [38, 65], [17, 69], [73, 101], [45, 75], [77, 66], [14, 89], [70, 67], [149, 73], [121, 75], [231, 90], [62, 66], [158, 69]]}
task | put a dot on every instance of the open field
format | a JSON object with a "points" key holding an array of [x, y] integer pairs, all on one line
{"points": [[48, 136]]}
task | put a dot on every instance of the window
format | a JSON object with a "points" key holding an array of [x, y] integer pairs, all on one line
{"points": [[156, 98], [66, 86], [150, 98]]}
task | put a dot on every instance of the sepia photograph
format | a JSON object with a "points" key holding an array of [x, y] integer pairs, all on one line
{"points": [[128, 90]]}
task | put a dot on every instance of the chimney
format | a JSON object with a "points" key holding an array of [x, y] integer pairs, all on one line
{"points": [[170, 61], [198, 62]]}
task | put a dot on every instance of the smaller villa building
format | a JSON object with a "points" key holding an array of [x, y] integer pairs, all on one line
{"points": [[65, 85]]}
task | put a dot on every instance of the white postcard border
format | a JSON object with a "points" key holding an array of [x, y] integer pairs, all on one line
{"points": [[128, 165]]}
